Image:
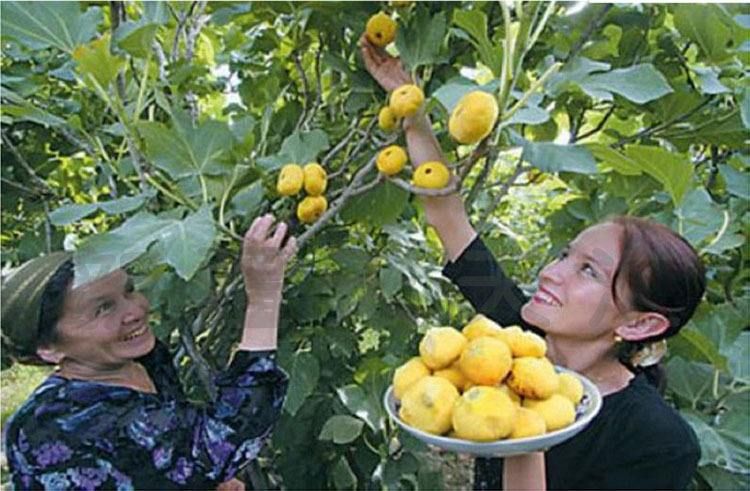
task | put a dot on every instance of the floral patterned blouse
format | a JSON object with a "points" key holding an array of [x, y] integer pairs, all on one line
{"points": [[75, 434]]}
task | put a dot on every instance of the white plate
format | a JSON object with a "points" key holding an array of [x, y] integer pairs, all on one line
{"points": [[585, 412]]}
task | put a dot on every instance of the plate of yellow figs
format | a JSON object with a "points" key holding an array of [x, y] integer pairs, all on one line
{"points": [[489, 391]]}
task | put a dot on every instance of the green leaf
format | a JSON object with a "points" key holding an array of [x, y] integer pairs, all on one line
{"points": [[104, 253], [419, 40], [698, 217], [378, 206], [305, 147], [341, 429], [184, 244], [24, 110], [573, 73], [612, 159], [391, 281], [186, 150], [673, 170], [739, 358], [551, 157], [725, 442], [474, 23], [709, 80], [366, 408], [639, 83], [67, 214], [704, 25], [743, 101], [95, 60], [691, 381], [247, 200], [302, 381], [693, 345], [136, 38], [343, 475], [39, 25]]}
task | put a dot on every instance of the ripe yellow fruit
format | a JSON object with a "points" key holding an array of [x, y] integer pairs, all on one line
{"points": [[528, 423], [557, 411], [387, 121], [473, 117], [480, 326], [533, 377], [310, 208], [524, 343], [483, 414], [509, 392], [570, 387], [290, 180], [316, 179], [380, 29], [428, 405], [431, 175], [391, 160], [486, 361], [441, 346], [454, 375], [406, 100], [407, 374]]}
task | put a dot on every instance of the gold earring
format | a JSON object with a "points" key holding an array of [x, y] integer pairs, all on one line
{"points": [[618, 339]]}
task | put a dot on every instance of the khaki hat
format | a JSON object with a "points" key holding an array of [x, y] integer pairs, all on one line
{"points": [[21, 305]]}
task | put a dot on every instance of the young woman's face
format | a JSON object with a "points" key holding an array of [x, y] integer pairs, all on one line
{"points": [[574, 296], [104, 323]]}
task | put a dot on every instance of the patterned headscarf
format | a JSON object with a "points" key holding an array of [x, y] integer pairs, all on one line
{"points": [[21, 305]]}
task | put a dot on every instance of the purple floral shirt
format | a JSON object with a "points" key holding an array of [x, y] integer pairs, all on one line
{"points": [[74, 434]]}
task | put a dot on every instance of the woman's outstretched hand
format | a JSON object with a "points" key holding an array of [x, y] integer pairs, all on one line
{"points": [[263, 257], [384, 68]]}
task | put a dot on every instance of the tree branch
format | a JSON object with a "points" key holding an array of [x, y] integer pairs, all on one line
{"points": [[598, 127], [520, 169]]}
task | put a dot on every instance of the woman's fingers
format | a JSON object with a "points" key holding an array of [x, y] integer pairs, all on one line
{"points": [[289, 250], [278, 235], [258, 231]]}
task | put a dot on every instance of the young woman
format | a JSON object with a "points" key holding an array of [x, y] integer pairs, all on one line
{"points": [[113, 415], [605, 306]]}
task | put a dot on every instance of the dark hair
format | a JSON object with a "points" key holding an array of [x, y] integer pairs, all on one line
{"points": [[664, 275], [53, 298]]}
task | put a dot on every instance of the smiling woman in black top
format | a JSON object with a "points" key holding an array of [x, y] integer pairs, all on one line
{"points": [[605, 307]]}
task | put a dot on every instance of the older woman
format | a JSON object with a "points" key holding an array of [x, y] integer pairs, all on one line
{"points": [[113, 414]]}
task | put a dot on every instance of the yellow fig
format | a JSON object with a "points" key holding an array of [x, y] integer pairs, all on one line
{"points": [[316, 179], [473, 117], [380, 29], [570, 387], [533, 377], [431, 175], [483, 414], [407, 375], [406, 100], [486, 361], [387, 121], [528, 423], [310, 208], [479, 326], [441, 346], [454, 375], [428, 405], [290, 180], [391, 160], [557, 411]]}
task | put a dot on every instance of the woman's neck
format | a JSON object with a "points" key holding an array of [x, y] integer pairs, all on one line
{"points": [[595, 360], [130, 374]]}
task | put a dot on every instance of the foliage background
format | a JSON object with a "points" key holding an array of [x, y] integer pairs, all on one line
{"points": [[161, 127]]}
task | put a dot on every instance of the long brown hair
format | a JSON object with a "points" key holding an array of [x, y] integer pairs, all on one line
{"points": [[664, 275]]}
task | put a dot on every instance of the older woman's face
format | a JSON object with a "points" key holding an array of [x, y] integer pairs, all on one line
{"points": [[104, 323], [574, 296]]}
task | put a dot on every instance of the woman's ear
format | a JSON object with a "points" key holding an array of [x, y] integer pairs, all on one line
{"points": [[643, 325], [50, 355]]}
